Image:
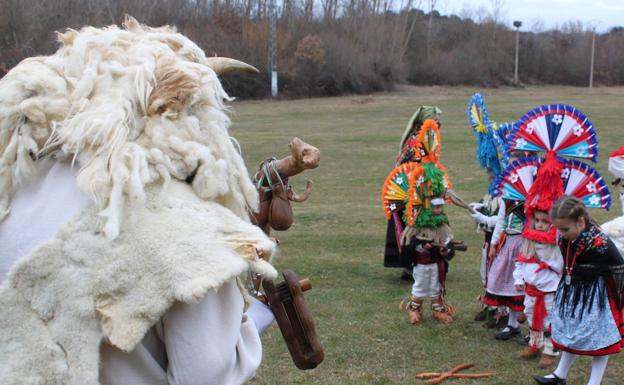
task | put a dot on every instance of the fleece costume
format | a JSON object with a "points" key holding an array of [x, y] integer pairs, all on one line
{"points": [[140, 113]]}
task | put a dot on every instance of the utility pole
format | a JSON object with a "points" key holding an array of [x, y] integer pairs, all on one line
{"points": [[272, 67], [591, 63], [517, 24]]}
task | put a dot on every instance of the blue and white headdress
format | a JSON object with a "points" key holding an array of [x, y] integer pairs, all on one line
{"points": [[491, 148]]}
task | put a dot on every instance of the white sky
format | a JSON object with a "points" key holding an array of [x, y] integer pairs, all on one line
{"points": [[540, 15]]}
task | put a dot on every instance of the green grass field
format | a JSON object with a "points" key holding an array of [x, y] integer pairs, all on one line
{"points": [[338, 236]]}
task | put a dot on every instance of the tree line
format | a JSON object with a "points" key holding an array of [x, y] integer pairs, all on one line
{"points": [[332, 47]]}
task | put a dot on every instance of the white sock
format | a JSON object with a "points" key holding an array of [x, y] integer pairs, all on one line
{"points": [[513, 319], [564, 365], [599, 364]]}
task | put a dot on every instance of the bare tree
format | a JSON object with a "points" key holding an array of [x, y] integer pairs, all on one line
{"points": [[432, 5]]}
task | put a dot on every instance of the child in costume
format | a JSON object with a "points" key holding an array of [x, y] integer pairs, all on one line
{"points": [[504, 249], [417, 189], [537, 273], [429, 270], [409, 151], [491, 156], [539, 266], [587, 316]]}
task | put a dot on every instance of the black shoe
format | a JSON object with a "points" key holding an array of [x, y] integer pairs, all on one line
{"points": [[549, 381], [507, 333]]}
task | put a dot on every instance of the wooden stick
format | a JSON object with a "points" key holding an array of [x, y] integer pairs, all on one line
{"points": [[427, 375], [436, 378], [458, 201], [461, 367]]}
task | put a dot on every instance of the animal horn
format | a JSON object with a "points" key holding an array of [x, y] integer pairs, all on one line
{"points": [[223, 65], [303, 197]]}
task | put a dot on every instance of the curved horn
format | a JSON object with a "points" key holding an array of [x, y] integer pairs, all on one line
{"points": [[223, 65], [303, 197]]}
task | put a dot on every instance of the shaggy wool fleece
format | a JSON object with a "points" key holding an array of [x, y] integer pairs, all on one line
{"points": [[132, 107], [78, 288], [141, 113]]}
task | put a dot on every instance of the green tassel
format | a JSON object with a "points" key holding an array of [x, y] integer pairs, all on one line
{"points": [[427, 220]]}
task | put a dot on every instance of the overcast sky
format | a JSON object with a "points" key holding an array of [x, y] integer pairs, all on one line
{"points": [[536, 14]]}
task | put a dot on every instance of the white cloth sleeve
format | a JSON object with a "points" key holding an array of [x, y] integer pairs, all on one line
{"points": [[38, 210], [500, 222], [261, 315], [211, 342], [518, 273], [480, 218]]}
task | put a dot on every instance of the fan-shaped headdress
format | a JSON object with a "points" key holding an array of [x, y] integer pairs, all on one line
{"points": [[412, 185], [558, 130]]}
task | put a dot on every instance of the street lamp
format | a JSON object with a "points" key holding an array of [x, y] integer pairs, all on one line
{"points": [[517, 24], [591, 63]]}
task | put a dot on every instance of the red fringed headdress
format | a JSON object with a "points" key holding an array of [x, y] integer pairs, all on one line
{"points": [[547, 186]]}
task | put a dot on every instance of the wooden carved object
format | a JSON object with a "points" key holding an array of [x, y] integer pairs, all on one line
{"points": [[271, 179], [295, 319]]}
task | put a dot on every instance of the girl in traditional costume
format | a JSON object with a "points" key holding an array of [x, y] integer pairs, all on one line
{"points": [[504, 248], [538, 267], [587, 317], [492, 157], [537, 273]]}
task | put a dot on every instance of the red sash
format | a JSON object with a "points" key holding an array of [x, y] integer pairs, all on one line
{"points": [[539, 310]]}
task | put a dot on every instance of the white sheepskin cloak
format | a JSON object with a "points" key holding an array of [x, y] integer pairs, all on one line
{"points": [[141, 112], [79, 288]]}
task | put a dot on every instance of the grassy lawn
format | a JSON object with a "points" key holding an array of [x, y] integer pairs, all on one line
{"points": [[338, 236]]}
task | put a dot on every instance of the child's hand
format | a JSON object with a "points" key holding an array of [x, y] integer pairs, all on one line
{"points": [[444, 251], [492, 252], [520, 287], [427, 246]]}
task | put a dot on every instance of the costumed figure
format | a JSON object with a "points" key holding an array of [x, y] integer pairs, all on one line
{"points": [[418, 189], [615, 227], [587, 317], [492, 156], [409, 151], [124, 220]]}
